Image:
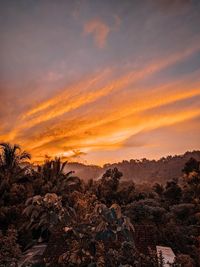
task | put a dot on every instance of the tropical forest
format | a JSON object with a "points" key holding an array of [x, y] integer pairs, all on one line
{"points": [[50, 217]]}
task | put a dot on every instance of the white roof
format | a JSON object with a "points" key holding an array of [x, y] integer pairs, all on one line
{"points": [[167, 254]]}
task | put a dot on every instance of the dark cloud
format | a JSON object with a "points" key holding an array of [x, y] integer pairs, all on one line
{"points": [[174, 5]]}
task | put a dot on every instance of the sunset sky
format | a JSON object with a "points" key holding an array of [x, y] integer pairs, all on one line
{"points": [[100, 81]]}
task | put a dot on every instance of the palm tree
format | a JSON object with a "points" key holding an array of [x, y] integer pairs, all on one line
{"points": [[54, 179], [11, 157], [11, 171], [70, 182]]}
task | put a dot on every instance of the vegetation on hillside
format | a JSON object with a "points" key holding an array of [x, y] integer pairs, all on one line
{"points": [[143, 170], [106, 222]]}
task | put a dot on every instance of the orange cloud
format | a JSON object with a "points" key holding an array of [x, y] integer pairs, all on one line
{"points": [[99, 30], [116, 125], [103, 110], [94, 88], [66, 93]]}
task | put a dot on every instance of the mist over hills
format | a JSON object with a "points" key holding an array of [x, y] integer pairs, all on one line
{"points": [[140, 171]]}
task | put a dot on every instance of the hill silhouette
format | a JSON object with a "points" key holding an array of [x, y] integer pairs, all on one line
{"points": [[140, 171]]}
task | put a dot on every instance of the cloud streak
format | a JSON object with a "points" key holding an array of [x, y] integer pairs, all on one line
{"points": [[57, 122], [91, 90], [94, 131]]}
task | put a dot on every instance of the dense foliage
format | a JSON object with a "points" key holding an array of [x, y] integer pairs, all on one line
{"points": [[105, 222]]}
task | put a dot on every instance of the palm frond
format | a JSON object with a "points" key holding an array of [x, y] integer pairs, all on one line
{"points": [[63, 166], [24, 155]]}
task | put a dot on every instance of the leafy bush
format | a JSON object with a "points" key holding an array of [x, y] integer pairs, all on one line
{"points": [[9, 249], [45, 213]]}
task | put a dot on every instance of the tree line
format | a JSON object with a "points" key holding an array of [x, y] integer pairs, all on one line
{"points": [[95, 222]]}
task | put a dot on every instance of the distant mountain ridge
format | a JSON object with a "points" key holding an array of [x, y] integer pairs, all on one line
{"points": [[139, 171]]}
